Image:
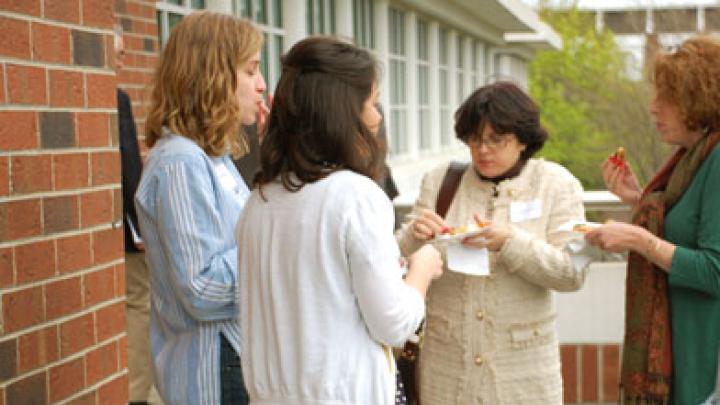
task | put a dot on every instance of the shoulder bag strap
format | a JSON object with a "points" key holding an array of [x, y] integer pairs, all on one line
{"points": [[449, 187]]}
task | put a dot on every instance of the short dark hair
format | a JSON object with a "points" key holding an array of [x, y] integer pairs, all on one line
{"points": [[508, 109], [315, 125]]}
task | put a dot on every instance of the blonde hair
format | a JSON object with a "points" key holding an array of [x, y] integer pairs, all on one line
{"points": [[689, 78], [194, 85]]}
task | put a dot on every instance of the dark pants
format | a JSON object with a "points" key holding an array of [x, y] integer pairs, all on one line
{"points": [[232, 386]]}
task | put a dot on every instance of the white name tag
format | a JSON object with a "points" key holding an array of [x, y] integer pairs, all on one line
{"points": [[525, 210]]}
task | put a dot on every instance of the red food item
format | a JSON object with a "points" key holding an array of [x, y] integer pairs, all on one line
{"points": [[618, 158]]}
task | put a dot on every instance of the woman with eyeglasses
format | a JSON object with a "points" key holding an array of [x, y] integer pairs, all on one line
{"points": [[491, 339]]}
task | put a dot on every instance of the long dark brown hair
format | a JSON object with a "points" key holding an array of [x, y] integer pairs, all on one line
{"points": [[315, 125]]}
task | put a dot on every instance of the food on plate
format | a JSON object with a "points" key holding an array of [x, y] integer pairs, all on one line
{"points": [[618, 158], [582, 228], [462, 229]]}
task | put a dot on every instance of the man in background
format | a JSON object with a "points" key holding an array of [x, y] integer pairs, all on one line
{"points": [[137, 286]]}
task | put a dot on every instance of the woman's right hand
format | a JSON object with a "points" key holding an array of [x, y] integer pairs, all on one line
{"points": [[621, 181], [427, 224], [424, 266]]}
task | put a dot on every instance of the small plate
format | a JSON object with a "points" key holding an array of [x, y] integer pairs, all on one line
{"points": [[579, 227], [472, 230]]}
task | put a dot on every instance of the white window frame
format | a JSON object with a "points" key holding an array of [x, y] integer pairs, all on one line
{"points": [[424, 107], [323, 12], [445, 121], [364, 23], [164, 9]]}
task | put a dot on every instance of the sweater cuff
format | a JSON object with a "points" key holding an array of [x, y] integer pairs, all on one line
{"points": [[681, 261], [514, 251]]}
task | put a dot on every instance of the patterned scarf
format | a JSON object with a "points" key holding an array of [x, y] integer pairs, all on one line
{"points": [[647, 352]]}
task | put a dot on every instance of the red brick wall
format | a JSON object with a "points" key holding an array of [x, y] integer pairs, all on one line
{"points": [[591, 373], [62, 281]]}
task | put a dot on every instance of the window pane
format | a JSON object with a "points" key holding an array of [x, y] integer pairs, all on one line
{"points": [[475, 56], [175, 2], [261, 11], [444, 87], [277, 13], [397, 32], [444, 60], [425, 134], [244, 8], [331, 14], [460, 87], [460, 52], [276, 63], [445, 127], [197, 4], [264, 61], [422, 28], [173, 20], [398, 133], [423, 86], [397, 78]]}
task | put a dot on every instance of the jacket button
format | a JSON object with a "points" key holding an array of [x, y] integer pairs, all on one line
{"points": [[478, 360], [536, 333], [479, 315]]}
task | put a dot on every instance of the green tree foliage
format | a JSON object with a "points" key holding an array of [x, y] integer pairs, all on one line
{"points": [[588, 103]]}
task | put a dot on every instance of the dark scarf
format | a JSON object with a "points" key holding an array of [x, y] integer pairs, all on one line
{"points": [[647, 352], [509, 174]]}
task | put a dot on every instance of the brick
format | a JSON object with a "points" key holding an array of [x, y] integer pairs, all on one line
{"points": [[50, 43], [35, 261], [98, 13], [2, 84], [30, 7], [66, 379], [57, 129], [568, 358], [110, 321], [4, 176], [7, 272], [15, 38], [96, 208], [88, 49], [63, 297], [120, 280], [71, 171], [127, 24], [8, 359], [88, 398], [148, 44], [117, 205], [26, 85], [22, 309], [114, 392], [101, 363], [105, 168], [21, 219], [66, 89], [31, 174], [63, 10], [19, 130], [99, 286], [108, 245], [101, 91], [123, 351], [589, 385], [120, 7], [31, 390], [114, 130], [74, 253], [611, 373], [37, 349], [60, 214], [77, 334], [93, 129]]}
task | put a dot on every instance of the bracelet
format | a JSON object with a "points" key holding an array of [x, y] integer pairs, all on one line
{"points": [[653, 245]]}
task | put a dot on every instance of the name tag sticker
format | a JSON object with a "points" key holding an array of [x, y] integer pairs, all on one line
{"points": [[525, 210]]}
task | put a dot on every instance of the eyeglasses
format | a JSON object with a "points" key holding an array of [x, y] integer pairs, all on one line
{"points": [[493, 142]]}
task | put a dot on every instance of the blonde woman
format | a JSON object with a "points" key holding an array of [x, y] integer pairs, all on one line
{"points": [[190, 196]]}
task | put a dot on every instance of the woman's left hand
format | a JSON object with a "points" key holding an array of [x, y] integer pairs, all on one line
{"points": [[615, 237], [493, 237]]}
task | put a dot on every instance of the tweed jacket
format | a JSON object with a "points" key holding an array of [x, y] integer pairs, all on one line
{"points": [[492, 340]]}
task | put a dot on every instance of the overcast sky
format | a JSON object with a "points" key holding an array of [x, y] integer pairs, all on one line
{"points": [[615, 4]]}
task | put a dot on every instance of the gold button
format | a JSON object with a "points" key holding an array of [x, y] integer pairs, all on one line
{"points": [[478, 360], [536, 333], [479, 315]]}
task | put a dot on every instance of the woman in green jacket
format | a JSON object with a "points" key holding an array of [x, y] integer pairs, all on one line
{"points": [[672, 326]]}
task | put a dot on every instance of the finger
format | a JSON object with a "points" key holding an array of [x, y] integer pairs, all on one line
{"points": [[422, 231], [269, 99]]}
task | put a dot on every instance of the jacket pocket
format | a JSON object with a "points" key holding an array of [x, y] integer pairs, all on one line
{"points": [[531, 334]]}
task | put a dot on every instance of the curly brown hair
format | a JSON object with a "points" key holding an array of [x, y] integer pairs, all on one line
{"points": [[195, 81], [689, 78]]}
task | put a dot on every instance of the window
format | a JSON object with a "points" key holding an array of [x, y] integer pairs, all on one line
{"points": [[444, 77], [267, 15], [398, 95], [423, 76], [320, 16], [364, 23], [170, 12], [476, 73]]}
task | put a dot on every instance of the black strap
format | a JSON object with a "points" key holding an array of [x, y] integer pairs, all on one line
{"points": [[449, 187]]}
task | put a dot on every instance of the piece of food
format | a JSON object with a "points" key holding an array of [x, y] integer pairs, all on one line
{"points": [[481, 224], [582, 228], [618, 158]]}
